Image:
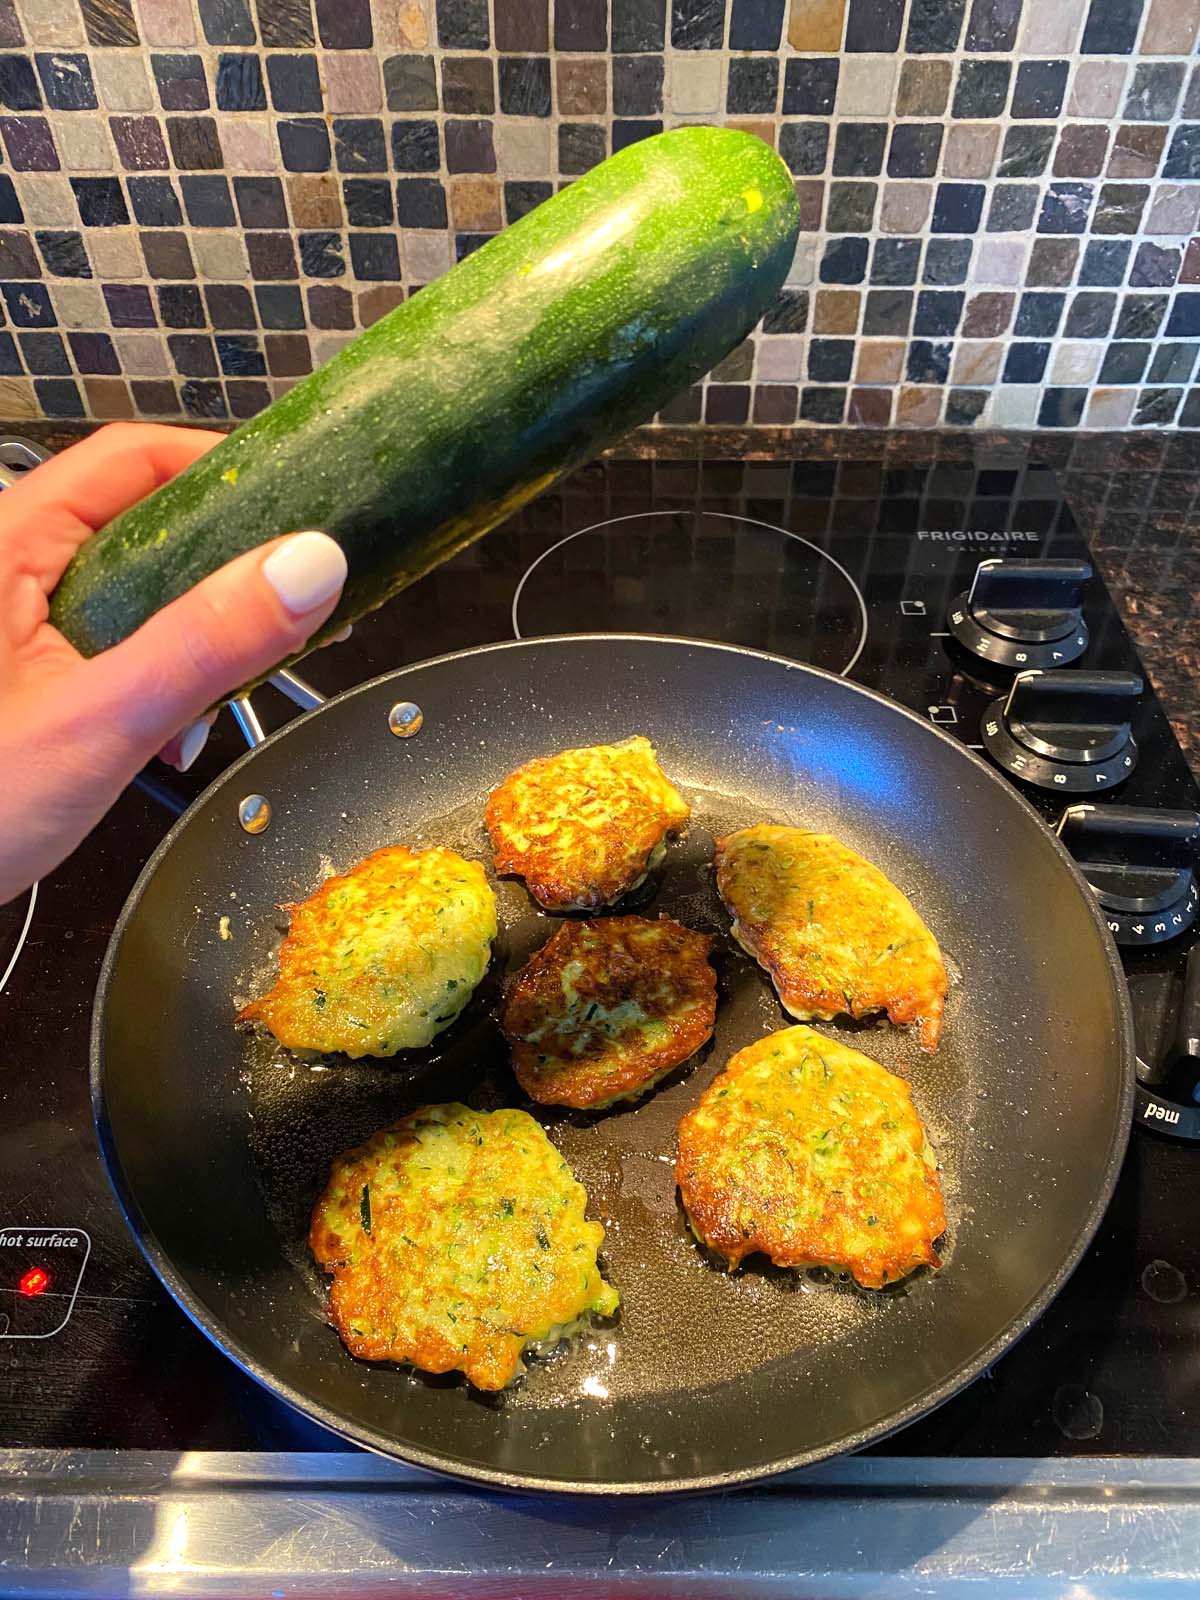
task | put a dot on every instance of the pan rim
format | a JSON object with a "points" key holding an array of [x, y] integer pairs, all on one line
{"points": [[928, 1400]]}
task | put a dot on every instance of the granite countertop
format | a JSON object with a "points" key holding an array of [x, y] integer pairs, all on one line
{"points": [[1135, 496]]}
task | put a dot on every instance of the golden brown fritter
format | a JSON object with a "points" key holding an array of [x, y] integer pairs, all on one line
{"points": [[382, 958], [585, 826], [457, 1240], [835, 934], [813, 1154], [605, 1009]]}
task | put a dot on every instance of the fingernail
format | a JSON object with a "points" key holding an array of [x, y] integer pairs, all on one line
{"points": [[306, 571], [340, 638], [192, 743]]}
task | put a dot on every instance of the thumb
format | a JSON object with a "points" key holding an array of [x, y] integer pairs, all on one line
{"points": [[231, 628]]}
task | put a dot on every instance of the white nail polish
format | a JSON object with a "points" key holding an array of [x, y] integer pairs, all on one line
{"points": [[306, 571], [192, 743]]}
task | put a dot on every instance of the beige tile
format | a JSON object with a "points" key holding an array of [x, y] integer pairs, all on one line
{"points": [[47, 200], [166, 21], [425, 254], [1077, 362], [970, 149], [314, 200], [377, 302], [326, 345], [976, 362], [905, 207], [142, 354], [17, 399], [280, 386], [919, 407], [1173, 209], [220, 256], [1097, 89], [836, 311], [523, 148], [115, 253], [866, 85], [780, 358], [50, 23], [83, 143], [693, 81], [352, 81], [1015, 405], [475, 205], [924, 88], [999, 262], [1170, 28], [247, 145], [1110, 408], [815, 26], [80, 305], [804, 264], [880, 361], [404, 23], [1051, 27], [122, 82], [108, 398]]}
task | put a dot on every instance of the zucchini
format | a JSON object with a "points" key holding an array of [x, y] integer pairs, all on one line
{"points": [[535, 352]]}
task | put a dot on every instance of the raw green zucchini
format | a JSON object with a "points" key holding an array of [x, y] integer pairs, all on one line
{"points": [[544, 346]]}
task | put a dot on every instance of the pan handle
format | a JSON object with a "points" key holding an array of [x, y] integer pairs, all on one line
{"points": [[297, 690]]}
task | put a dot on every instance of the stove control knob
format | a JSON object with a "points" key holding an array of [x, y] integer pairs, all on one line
{"points": [[1023, 614], [1141, 866], [1065, 730]]}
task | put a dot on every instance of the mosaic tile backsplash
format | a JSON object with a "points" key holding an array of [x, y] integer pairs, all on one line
{"points": [[202, 199]]}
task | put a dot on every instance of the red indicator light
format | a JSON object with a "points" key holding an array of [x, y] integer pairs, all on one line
{"points": [[34, 1281]]}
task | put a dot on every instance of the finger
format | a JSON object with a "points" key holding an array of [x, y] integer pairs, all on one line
{"points": [[233, 627], [47, 515], [182, 751]]}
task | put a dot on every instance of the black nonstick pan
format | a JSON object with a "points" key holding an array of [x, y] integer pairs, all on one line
{"points": [[218, 1143]]}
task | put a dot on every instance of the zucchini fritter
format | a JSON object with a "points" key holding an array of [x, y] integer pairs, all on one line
{"points": [[605, 1009], [835, 934], [457, 1239], [813, 1154], [584, 827], [382, 958]]}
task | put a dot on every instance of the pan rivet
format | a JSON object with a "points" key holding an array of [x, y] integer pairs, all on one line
{"points": [[254, 813], [405, 719]]}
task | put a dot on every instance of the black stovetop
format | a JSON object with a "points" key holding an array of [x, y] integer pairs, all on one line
{"points": [[863, 584]]}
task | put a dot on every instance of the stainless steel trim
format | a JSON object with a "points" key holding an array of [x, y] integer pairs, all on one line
{"points": [[346, 1523], [298, 690], [17, 457], [246, 718]]}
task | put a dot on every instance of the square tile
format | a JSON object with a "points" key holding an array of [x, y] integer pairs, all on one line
{"points": [[64, 253], [844, 261], [314, 201], [283, 24], [981, 91], [1000, 262], [180, 306], [229, 306], [475, 205], [1026, 151], [756, 24], [919, 407], [1012, 208], [101, 202], [415, 145], [260, 202], [970, 150], [166, 255], [933, 28], [468, 85], [272, 256], [368, 202], [345, 24], [279, 305], [880, 360], [524, 25], [905, 207], [79, 305], [330, 306], [1065, 209], [1081, 150], [194, 143], [836, 311], [1052, 262], [1137, 151], [122, 82], [83, 144], [1015, 405], [1039, 314], [695, 25], [140, 144], [1174, 209], [240, 84], [420, 203], [66, 78], [694, 84], [753, 84], [108, 399], [226, 21], [1110, 408], [1091, 315], [958, 207], [1039, 89], [580, 146], [410, 83], [866, 86], [1171, 28], [1051, 30], [1111, 28], [164, 22], [51, 23], [1076, 363], [247, 145], [1105, 262], [304, 144], [928, 361], [469, 146], [359, 144], [524, 149], [804, 146], [181, 82], [1154, 93], [525, 85], [924, 87], [115, 254], [636, 24], [874, 25], [976, 362], [322, 255], [29, 144], [582, 86], [781, 360], [46, 198], [426, 255], [1141, 315], [294, 82], [914, 150]]}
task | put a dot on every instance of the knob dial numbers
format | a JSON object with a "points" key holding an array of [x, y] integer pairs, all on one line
{"points": [[1065, 732], [1023, 614], [1141, 866]]}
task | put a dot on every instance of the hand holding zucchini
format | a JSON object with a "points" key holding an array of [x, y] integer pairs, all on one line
{"points": [[537, 351]]}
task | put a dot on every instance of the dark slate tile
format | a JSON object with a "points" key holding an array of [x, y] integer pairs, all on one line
{"points": [[359, 144], [753, 85], [887, 313], [195, 145], [895, 261], [240, 83], [229, 305], [1039, 313], [203, 401], [521, 196], [295, 83], [1111, 28], [1105, 262], [67, 80], [580, 146], [634, 131], [934, 27], [154, 397], [410, 83], [804, 146], [858, 149], [109, 22], [788, 313], [1119, 208], [140, 143], [469, 146], [330, 306], [1080, 151], [279, 305], [844, 261], [1065, 208], [1173, 363], [581, 25], [285, 24], [375, 257], [64, 253], [226, 21], [822, 405], [1185, 316], [914, 150], [756, 24], [167, 255], [100, 201], [58, 397], [1154, 92], [525, 85], [928, 362], [1156, 266], [874, 25], [10, 205], [1012, 208], [206, 200], [1061, 408], [468, 88], [957, 207], [415, 146], [368, 202], [1039, 89], [17, 257], [10, 361], [1189, 417], [1052, 262], [179, 305], [18, 86], [345, 24], [1183, 156], [851, 207], [830, 360], [272, 257], [29, 144], [247, 398], [182, 85], [1026, 152], [696, 24], [637, 24], [1156, 408], [993, 25], [420, 203], [684, 408], [1142, 315], [1025, 362], [260, 202], [465, 244], [45, 354], [240, 355], [1091, 315], [964, 407], [809, 86], [129, 305], [523, 26], [775, 403], [28, 305], [304, 145], [322, 255], [463, 24], [981, 90], [939, 312]]}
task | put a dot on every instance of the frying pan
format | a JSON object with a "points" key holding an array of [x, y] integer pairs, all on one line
{"points": [[217, 1144]]}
